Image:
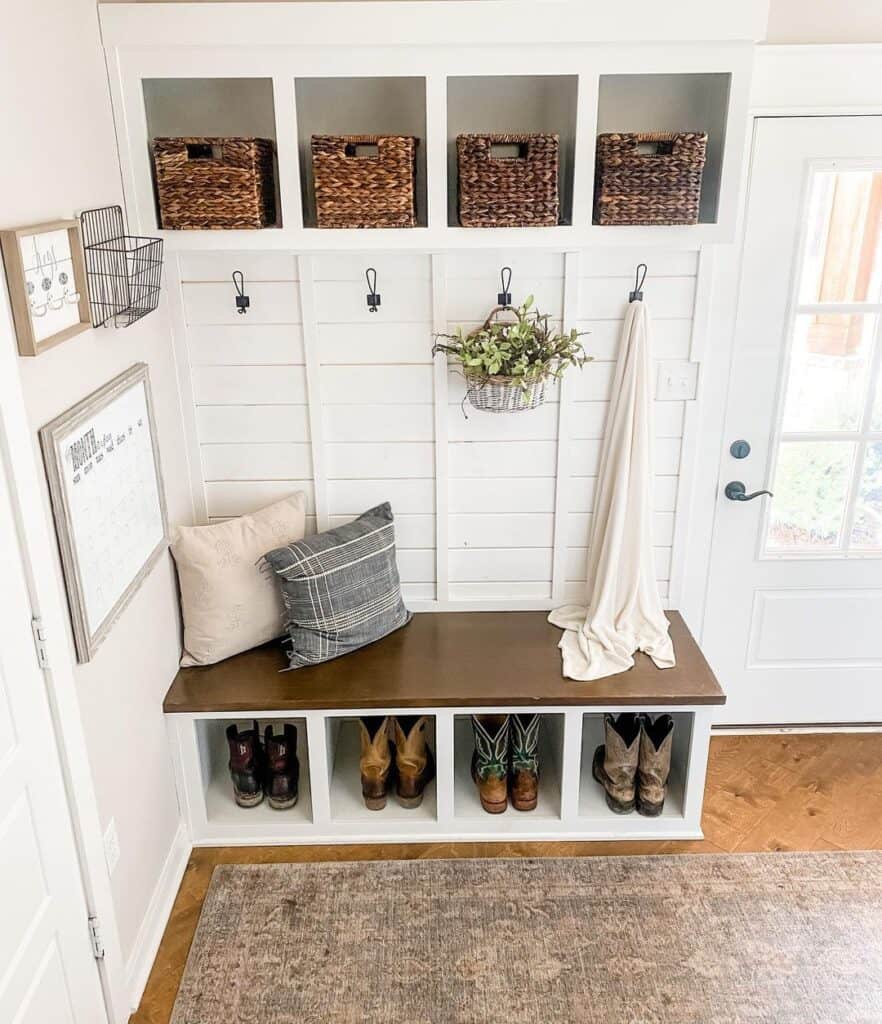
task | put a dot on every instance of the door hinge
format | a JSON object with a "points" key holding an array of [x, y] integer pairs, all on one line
{"points": [[39, 631], [95, 938]]}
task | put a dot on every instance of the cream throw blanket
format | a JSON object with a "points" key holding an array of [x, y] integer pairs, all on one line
{"points": [[624, 612]]}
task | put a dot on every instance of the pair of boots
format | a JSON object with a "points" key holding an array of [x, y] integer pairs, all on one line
{"points": [[506, 761], [395, 754], [270, 769], [634, 762]]}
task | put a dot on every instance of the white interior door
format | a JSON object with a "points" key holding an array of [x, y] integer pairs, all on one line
{"points": [[48, 974], [793, 623]]}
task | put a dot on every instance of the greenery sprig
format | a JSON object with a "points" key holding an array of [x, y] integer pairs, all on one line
{"points": [[523, 349]]}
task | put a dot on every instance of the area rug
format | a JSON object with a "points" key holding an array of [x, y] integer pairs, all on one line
{"points": [[771, 938]]}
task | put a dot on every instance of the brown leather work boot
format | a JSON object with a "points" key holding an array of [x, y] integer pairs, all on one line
{"points": [[246, 765], [282, 767], [376, 761], [414, 762], [523, 779], [490, 761], [615, 761], [654, 766]]}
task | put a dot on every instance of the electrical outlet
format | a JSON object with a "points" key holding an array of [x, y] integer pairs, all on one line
{"points": [[111, 846], [677, 381]]}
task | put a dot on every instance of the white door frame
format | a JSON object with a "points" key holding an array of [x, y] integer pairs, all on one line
{"points": [[788, 81], [18, 451]]}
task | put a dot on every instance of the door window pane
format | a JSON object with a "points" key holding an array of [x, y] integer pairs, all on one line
{"points": [[867, 529], [810, 488], [842, 257], [826, 389]]}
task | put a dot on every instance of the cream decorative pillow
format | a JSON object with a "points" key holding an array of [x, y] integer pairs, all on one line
{"points": [[228, 604]]}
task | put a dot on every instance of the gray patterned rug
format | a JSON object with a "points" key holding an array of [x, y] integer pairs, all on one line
{"points": [[770, 938]]}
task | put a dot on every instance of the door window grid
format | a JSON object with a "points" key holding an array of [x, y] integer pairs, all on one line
{"points": [[827, 471]]}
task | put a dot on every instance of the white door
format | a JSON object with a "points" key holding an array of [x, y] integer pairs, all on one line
{"points": [[793, 623], [48, 974]]}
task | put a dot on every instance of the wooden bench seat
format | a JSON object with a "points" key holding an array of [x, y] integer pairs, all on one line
{"points": [[444, 659]]}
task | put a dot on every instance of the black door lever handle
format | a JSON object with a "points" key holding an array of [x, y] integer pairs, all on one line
{"points": [[736, 491]]}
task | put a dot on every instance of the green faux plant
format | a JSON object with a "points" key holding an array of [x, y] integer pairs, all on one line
{"points": [[524, 349]]}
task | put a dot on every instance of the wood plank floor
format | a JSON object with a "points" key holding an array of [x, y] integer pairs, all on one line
{"points": [[764, 793]]}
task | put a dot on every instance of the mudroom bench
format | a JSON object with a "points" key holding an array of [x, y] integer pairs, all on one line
{"points": [[448, 665]]}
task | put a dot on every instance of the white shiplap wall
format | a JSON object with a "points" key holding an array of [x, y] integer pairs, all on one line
{"points": [[312, 391]]}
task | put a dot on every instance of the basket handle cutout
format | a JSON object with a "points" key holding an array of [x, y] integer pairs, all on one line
{"points": [[362, 150], [509, 150], [655, 148], [204, 151]]}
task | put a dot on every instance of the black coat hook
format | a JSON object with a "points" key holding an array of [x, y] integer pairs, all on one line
{"points": [[637, 294], [373, 297], [504, 297], [242, 300]]}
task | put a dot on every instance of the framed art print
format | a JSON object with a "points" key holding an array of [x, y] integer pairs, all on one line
{"points": [[105, 482], [47, 284]]}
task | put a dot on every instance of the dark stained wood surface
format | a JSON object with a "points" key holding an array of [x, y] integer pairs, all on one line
{"points": [[443, 659]]}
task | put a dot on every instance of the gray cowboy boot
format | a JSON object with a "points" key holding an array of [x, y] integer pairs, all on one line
{"points": [[490, 761], [654, 766], [615, 761], [524, 777]]}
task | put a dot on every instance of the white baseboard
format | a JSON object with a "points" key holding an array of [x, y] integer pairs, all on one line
{"points": [[150, 933]]}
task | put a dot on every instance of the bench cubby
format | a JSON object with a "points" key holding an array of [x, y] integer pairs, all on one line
{"points": [[447, 665]]}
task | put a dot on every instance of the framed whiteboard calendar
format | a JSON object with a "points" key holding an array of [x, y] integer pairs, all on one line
{"points": [[105, 482]]}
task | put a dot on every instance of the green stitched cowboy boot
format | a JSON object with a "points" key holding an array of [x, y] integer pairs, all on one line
{"points": [[490, 761], [524, 778]]}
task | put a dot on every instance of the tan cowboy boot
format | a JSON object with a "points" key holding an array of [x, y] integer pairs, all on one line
{"points": [[654, 767], [524, 776], [615, 761], [376, 761], [414, 763], [490, 761]]}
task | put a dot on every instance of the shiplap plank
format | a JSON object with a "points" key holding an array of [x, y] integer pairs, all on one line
{"points": [[574, 591], [256, 266], [492, 593], [503, 459], [664, 489], [351, 267], [377, 385], [400, 459], [235, 498], [588, 419], [403, 300], [470, 299], [500, 565], [411, 531], [486, 264], [533, 425], [417, 592], [415, 566], [623, 263], [256, 461], [246, 344], [593, 383], [249, 385], [272, 302], [378, 423], [607, 298], [669, 339], [218, 424], [373, 343], [513, 530], [501, 495], [579, 529], [352, 497], [577, 559]]}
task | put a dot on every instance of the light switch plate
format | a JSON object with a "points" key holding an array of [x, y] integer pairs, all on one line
{"points": [[111, 846], [677, 381]]}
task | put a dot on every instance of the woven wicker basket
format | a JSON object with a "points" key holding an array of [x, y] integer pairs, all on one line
{"points": [[658, 186], [504, 394], [214, 183], [508, 192], [353, 190]]}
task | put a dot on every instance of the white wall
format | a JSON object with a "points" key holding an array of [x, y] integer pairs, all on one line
{"points": [[59, 156], [842, 21]]}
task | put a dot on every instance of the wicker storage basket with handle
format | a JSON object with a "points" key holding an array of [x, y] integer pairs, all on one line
{"points": [[214, 183], [649, 178], [508, 191], [358, 189], [498, 393]]}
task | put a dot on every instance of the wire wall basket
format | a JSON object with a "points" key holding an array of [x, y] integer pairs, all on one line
{"points": [[124, 271]]}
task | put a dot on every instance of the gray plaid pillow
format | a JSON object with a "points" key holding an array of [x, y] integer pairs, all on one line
{"points": [[340, 588]]}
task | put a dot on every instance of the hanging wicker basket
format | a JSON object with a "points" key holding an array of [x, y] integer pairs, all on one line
{"points": [[504, 394]]}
